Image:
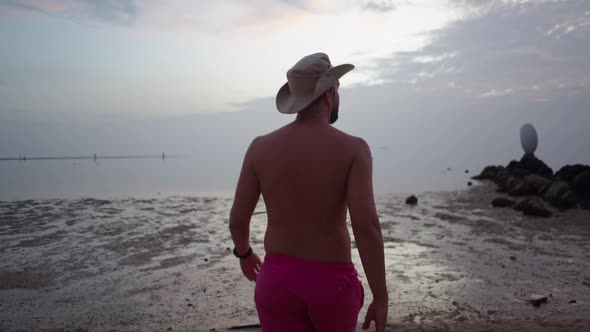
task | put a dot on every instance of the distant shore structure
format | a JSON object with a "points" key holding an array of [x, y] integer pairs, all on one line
{"points": [[93, 157]]}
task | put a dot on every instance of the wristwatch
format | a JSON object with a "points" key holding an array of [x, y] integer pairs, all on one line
{"points": [[244, 256]]}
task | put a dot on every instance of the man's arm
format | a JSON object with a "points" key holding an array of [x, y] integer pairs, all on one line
{"points": [[245, 200], [367, 231]]}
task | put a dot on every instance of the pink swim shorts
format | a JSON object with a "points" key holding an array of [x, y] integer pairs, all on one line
{"points": [[294, 294]]}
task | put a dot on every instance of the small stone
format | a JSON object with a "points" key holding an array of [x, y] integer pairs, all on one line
{"points": [[537, 302], [412, 200], [454, 302], [573, 301], [501, 202], [206, 259], [190, 304], [466, 171], [512, 258], [469, 183], [169, 329]]}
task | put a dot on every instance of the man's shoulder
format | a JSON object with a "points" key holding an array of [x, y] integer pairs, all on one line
{"points": [[356, 141]]}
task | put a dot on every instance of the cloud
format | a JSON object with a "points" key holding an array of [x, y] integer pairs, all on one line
{"points": [[378, 5], [505, 48], [123, 12], [113, 11], [22, 6]]}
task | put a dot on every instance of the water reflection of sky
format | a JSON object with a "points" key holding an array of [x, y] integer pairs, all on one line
{"points": [[177, 176]]}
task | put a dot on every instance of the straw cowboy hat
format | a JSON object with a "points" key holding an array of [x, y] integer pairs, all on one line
{"points": [[307, 80]]}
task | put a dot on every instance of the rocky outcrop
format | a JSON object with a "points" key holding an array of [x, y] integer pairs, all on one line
{"points": [[568, 188]]}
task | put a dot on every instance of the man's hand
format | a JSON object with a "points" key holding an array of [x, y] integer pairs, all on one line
{"points": [[377, 312], [251, 266]]}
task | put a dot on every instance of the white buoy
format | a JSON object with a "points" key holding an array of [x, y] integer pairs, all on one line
{"points": [[529, 138]]}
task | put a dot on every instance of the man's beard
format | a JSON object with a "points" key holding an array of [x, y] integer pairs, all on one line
{"points": [[335, 105], [333, 115]]}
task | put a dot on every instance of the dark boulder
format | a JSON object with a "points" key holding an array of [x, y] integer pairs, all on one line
{"points": [[569, 172], [489, 173], [536, 183], [516, 186], [560, 195], [535, 166], [501, 202], [516, 168], [502, 177], [532, 207], [581, 183], [412, 200]]}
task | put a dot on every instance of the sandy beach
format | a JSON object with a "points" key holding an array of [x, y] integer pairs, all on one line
{"points": [[454, 263]]}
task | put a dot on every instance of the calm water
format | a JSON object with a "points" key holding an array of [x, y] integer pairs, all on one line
{"points": [[109, 178]]}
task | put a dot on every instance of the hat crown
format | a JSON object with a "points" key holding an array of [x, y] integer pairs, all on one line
{"points": [[304, 75]]}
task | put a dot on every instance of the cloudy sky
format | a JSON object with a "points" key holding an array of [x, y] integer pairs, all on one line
{"points": [[72, 58], [127, 76]]}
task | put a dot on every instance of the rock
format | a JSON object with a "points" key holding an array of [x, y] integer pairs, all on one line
{"points": [[573, 301], [515, 168], [519, 206], [581, 183], [569, 172], [537, 209], [536, 166], [466, 171], [412, 200], [536, 182], [516, 186], [537, 302], [560, 195], [488, 173], [543, 189], [501, 179], [532, 207], [502, 202], [469, 183]]}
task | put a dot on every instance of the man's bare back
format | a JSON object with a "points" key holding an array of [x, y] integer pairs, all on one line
{"points": [[309, 174], [303, 169]]}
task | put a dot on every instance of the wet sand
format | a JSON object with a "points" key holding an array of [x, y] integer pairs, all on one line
{"points": [[453, 262]]}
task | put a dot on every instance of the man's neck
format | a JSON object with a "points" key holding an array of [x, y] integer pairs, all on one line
{"points": [[314, 115]]}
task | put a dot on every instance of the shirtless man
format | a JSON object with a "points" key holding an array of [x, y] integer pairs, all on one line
{"points": [[309, 173]]}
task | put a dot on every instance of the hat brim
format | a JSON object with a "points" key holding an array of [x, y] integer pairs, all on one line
{"points": [[289, 104]]}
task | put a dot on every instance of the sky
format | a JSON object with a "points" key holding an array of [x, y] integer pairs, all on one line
{"points": [[435, 81]]}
